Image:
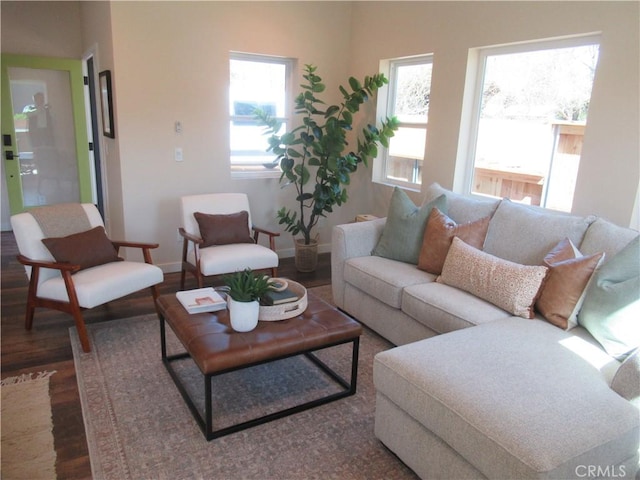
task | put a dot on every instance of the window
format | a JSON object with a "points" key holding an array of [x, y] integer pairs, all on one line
{"points": [[531, 105], [407, 97], [256, 81]]}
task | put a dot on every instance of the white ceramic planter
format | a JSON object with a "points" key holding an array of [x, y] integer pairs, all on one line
{"points": [[243, 315]]}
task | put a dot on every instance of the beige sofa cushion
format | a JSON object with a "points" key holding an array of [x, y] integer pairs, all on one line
{"points": [[512, 399], [607, 237], [524, 234], [444, 309], [462, 208], [382, 278]]}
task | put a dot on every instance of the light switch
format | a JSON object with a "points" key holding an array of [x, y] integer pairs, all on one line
{"points": [[178, 154], [178, 126]]}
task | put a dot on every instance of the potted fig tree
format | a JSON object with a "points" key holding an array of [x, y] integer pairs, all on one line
{"points": [[316, 158]]}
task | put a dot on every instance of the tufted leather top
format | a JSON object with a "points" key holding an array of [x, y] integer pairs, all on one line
{"points": [[216, 347]]}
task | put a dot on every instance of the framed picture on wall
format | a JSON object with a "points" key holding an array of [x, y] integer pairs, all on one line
{"points": [[108, 129]]}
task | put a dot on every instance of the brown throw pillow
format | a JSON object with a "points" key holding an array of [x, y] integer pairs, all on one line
{"points": [[218, 229], [438, 235], [563, 291], [87, 249]]}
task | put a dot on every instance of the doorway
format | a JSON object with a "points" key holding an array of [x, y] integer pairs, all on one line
{"points": [[44, 132]]}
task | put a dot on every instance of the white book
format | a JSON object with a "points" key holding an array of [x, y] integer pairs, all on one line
{"points": [[201, 300]]}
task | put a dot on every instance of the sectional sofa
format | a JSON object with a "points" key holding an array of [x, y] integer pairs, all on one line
{"points": [[516, 341]]}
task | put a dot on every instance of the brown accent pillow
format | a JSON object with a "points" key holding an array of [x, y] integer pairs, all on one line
{"points": [[87, 249], [569, 275], [216, 229], [438, 235], [508, 285]]}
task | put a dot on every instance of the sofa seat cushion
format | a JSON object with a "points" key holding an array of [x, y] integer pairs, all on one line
{"points": [[383, 278], [512, 399], [445, 309]]}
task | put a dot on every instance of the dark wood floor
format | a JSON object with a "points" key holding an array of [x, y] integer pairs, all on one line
{"points": [[47, 346]]}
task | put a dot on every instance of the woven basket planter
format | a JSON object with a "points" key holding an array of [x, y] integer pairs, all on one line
{"points": [[306, 255]]}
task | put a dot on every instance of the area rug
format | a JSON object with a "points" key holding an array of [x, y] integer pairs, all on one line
{"points": [[27, 428], [138, 425]]}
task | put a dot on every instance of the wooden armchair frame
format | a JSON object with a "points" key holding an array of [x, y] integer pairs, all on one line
{"points": [[71, 307], [196, 271]]}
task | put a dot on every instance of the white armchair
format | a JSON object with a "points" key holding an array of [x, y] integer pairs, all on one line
{"points": [[217, 251], [73, 273]]}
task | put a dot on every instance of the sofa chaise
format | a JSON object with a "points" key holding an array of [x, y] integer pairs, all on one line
{"points": [[482, 386]]}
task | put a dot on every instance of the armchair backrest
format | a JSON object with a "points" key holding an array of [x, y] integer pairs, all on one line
{"points": [[213, 204], [29, 235]]}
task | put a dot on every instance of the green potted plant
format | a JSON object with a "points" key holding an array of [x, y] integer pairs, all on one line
{"points": [[314, 156], [245, 289]]}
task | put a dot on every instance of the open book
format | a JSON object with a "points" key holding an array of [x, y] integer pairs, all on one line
{"points": [[201, 300]]}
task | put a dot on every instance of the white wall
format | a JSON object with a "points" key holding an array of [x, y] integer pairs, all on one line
{"points": [[609, 169], [171, 63], [97, 42]]}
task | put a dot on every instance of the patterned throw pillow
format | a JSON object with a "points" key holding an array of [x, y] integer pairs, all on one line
{"points": [[402, 234], [563, 291], [510, 286], [438, 235]]}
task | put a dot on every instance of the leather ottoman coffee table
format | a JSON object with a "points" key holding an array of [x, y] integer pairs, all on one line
{"points": [[217, 349]]}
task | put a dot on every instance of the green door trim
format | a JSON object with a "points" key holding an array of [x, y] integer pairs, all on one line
{"points": [[12, 167]]}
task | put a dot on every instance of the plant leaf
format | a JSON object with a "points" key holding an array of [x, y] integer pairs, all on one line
{"points": [[346, 115], [332, 110], [354, 84]]}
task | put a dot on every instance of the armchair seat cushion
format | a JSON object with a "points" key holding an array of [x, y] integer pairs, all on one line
{"points": [[98, 285], [221, 259]]}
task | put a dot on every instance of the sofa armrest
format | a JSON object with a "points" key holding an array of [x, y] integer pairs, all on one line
{"points": [[349, 241], [626, 382]]}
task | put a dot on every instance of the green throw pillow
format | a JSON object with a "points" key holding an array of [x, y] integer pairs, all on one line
{"points": [[402, 235], [611, 308]]}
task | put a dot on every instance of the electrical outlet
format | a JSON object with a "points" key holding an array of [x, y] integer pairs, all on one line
{"points": [[178, 154]]}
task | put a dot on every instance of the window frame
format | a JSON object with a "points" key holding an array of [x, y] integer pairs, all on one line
{"points": [[478, 60], [385, 108], [290, 65]]}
